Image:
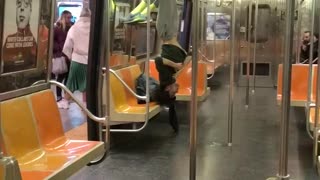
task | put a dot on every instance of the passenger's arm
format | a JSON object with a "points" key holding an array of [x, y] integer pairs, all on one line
{"points": [[68, 45], [55, 40], [177, 66], [172, 64], [185, 63]]}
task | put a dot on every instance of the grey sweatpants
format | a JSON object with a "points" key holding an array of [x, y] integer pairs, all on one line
{"points": [[167, 22]]}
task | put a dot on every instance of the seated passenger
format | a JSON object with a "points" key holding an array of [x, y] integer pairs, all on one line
{"points": [[305, 48]]}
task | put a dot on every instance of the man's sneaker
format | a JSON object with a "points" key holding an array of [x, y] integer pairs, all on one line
{"points": [[63, 104], [59, 98], [136, 19], [146, 21], [174, 124]]}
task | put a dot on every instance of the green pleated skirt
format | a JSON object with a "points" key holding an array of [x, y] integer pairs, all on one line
{"points": [[77, 80]]}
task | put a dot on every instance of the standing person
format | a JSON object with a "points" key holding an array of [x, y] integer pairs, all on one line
{"points": [[76, 48], [61, 29]]}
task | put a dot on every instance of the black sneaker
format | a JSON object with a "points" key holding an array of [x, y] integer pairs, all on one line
{"points": [[174, 124], [59, 99]]}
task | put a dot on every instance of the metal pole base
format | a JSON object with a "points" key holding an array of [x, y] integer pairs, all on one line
{"points": [[287, 177]]}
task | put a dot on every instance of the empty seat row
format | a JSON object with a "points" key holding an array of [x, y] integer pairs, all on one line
{"points": [[32, 132], [299, 87]]}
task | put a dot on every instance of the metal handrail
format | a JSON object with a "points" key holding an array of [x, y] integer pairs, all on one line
{"points": [[147, 97], [211, 76], [308, 107], [206, 59], [127, 86], [38, 82], [146, 118], [102, 120]]}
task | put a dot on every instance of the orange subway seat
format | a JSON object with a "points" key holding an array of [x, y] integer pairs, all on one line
{"points": [[124, 105], [129, 76], [20, 138], [314, 83], [125, 74], [184, 80], [153, 70], [299, 84], [35, 175], [47, 116]]}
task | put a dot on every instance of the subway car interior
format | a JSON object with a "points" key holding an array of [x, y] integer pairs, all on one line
{"points": [[159, 89]]}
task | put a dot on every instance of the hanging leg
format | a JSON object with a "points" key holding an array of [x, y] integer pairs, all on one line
{"points": [[173, 117], [139, 14]]}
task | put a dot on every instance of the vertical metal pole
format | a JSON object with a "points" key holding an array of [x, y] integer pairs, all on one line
{"points": [[298, 33], [106, 59], [97, 58], [50, 45], [201, 25], [146, 68], [249, 54], [256, 9], [232, 61], [310, 60], [285, 114], [214, 32], [193, 103], [315, 129]]}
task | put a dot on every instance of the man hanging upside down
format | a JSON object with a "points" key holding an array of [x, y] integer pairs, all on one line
{"points": [[172, 59], [173, 56]]}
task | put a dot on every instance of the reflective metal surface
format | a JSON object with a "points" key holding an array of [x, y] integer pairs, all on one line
{"points": [[249, 55], [193, 103], [66, 90], [232, 62], [127, 86], [285, 113], [256, 10], [147, 97], [316, 122]]}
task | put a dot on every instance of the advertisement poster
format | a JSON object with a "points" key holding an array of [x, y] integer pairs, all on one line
{"points": [[218, 26], [20, 32]]}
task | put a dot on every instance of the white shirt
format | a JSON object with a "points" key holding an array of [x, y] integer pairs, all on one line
{"points": [[76, 46]]}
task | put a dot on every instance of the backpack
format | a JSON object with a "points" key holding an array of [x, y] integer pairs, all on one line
{"points": [[141, 87]]}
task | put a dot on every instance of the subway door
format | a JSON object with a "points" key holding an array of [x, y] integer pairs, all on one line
{"points": [[256, 55]]}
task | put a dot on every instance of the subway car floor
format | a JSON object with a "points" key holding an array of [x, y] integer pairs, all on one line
{"points": [[157, 153]]}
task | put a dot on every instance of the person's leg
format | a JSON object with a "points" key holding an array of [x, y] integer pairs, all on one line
{"points": [[60, 79], [173, 117], [139, 8], [167, 21], [139, 14], [153, 6], [69, 82], [58, 90]]}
